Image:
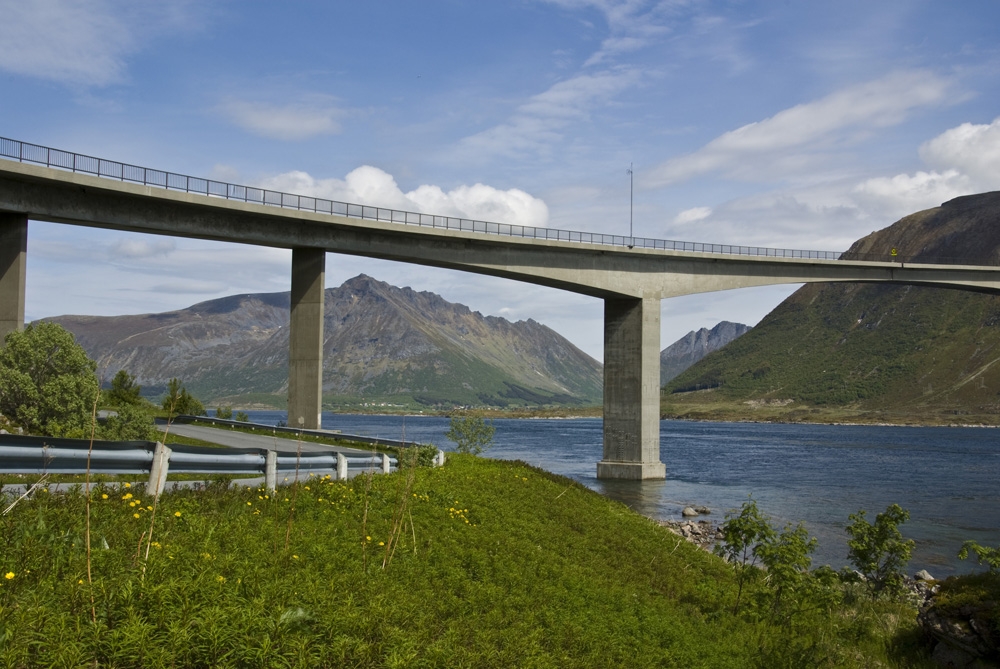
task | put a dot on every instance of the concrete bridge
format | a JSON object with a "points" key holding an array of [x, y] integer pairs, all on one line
{"points": [[631, 275]]}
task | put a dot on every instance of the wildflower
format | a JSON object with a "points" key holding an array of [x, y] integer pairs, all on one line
{"points": [[127, 495], [104, 496], [80, 582], [368, 538], [221, 579], [9, 575], [149, 508], [249, 504], [295, 557], [259, 497], [135, 515], [307, 487], [131, 503], [177, 514], [381, 543], [128, 485]]}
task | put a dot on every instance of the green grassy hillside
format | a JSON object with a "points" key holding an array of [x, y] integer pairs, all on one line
{"points": [[477, 564]]}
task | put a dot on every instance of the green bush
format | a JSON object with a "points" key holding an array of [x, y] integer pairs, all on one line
{"points": [[47, 382], [180, 401], [132, 422], [879, 551], [124, 391], [989, 556], [471, 434], [225, 413]]}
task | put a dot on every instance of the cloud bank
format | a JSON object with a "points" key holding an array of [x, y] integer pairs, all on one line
{"points": [[372, 186]]}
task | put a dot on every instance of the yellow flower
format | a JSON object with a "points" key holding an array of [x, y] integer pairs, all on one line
{"points": [[221, 579], [128, 485], [127, 495], [80, 582], [149, 508], [381, 543], [249, 504], [135, 515], [104, 496], [131, 503], [368, 538], [295, 557], [177, 514], [9, 575]]}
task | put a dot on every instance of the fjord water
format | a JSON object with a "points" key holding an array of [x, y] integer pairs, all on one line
{"points": [[948, 478]]}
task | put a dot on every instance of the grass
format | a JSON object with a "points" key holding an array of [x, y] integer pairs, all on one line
{"points": [[480, 563]]}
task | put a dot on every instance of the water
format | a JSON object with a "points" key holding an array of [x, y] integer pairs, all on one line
{"points": [[948, 478]]}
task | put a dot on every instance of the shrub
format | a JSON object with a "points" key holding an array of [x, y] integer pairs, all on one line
{"points": [[47, 382], [132, 423], [124, 390], [991, 556], [225, 413], [879, 550], [471, 434], [242, 417], [742, 533], [180, 401]]}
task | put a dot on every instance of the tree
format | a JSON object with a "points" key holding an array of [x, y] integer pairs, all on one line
{"points": [[242, 417], [742, 534], [471, 434], [879, 551], [180, 401], [124, 390], [225, 413], [47, 382]]}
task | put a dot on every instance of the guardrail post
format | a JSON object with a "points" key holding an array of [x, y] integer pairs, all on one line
{"points": [[158, 470], [439, 459], [271, 471], [341, 467], [385, 463]]}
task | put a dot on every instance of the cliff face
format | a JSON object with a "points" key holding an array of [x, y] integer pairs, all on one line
{"points": [[694, 346], [380, 342], [878, 346]]}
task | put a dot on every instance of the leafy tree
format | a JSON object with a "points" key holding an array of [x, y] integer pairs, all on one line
{"points": [[225, 413], [180, 401], [991, 556], [124, 390], [132, 423], [471, 434], [47, 382], [242, 417], [786, 557], [879, 550], [742, 533]]}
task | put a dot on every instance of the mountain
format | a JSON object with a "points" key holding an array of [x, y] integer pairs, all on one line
{"points": [[381, 343], [896, 352], [694, 346]]}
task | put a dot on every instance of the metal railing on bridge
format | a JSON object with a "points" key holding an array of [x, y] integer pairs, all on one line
{"points": [[110, 169]]}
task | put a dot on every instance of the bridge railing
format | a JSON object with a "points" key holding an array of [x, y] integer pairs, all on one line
{"points": [[109, 169]]}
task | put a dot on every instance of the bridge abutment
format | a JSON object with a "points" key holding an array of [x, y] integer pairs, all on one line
{"points": [[13, 259], [631, 390], [305, 339]]}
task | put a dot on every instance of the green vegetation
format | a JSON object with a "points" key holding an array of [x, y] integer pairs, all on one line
{"points": [[984, 554], [224, 413], [481, 563], [471, 434], [179, 401], [124, 391], [879, 551], [47, 382]]}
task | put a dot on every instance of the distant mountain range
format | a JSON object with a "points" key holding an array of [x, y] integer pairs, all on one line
{"points": [[381, 344], [694, 346], [894, 352]]}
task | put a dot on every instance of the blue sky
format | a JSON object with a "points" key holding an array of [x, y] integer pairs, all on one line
{"points": [[788, 124]]}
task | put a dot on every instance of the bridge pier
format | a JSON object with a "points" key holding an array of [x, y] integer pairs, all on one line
{"points": [[13, 257], [631, 390], [305, 339]]}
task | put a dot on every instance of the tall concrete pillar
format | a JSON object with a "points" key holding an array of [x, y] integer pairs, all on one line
{"points": [[631, 390], [305, 339], [13, 258]]}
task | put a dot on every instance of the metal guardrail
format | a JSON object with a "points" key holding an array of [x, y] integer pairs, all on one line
{"points": [[110, 169], [39, 455]]}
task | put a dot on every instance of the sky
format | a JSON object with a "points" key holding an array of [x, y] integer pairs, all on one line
{"points": [[772, 123]]}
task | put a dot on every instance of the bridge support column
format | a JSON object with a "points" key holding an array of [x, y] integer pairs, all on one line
{"points": [[13, 259], [305, 339], [631, 390]]}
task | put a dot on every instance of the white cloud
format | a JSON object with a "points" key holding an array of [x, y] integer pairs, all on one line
{"points": [[540, 122], [141, 247], [692, 215], [781, 144], [297, 121], [966, 158], [370, 185], [81, 42], [972, 149]]}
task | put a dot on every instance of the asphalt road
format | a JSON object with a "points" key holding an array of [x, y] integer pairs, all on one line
{"points": [[236, 439]]}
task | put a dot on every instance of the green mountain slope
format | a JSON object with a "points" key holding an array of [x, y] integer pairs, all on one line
{"points": [[880, 351]]}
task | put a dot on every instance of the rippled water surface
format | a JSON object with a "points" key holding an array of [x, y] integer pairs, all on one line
{"points": [[948, 478]]}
